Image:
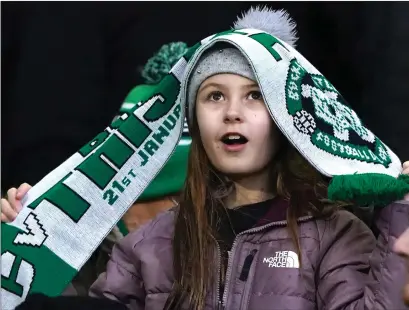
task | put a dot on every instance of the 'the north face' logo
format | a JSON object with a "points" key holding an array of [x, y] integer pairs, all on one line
{"points": [[283, 259], [318, 110]]}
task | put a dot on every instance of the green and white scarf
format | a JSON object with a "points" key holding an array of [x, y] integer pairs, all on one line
{"points": [[68, 213]]}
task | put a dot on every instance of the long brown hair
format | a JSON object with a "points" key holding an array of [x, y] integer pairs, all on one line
{"points": [[201, 203]]}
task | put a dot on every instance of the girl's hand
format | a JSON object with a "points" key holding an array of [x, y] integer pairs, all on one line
{"points": [[11, 206]]}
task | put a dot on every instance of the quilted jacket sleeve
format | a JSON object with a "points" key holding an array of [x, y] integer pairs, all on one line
{"points": [[358, 272], [122, 281]]}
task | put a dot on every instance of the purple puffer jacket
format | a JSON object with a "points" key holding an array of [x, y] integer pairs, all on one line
{"points": [[343, 266]]}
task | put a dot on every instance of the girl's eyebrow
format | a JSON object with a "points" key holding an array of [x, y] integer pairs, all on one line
{"points": [[217, 85], [222, 86], [251, 85]]}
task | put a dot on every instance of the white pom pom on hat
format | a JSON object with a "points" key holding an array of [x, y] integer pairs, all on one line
{"points": [[278, 23]]}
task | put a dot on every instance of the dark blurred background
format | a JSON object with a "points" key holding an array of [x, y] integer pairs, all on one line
{"points": [[67, 66]]}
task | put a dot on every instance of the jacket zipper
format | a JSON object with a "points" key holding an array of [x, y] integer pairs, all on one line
{"points": [[222, 303], [219, 301]]}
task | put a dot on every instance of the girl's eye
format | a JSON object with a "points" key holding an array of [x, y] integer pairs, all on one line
{"points": [[215, 96], [255, 95]]}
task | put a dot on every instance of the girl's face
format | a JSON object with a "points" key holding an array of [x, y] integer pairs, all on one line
{"points": [[236, 129]]}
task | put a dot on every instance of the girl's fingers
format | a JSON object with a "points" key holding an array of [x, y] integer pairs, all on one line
{"points": [[4, 219], [8, 214], [11, 198], [22, 190]]}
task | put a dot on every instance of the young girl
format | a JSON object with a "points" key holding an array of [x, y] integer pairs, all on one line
{"points": [[253, 229]]}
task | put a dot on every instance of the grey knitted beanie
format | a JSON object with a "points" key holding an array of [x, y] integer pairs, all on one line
{"points": [[217, 61], [231, 60]]}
